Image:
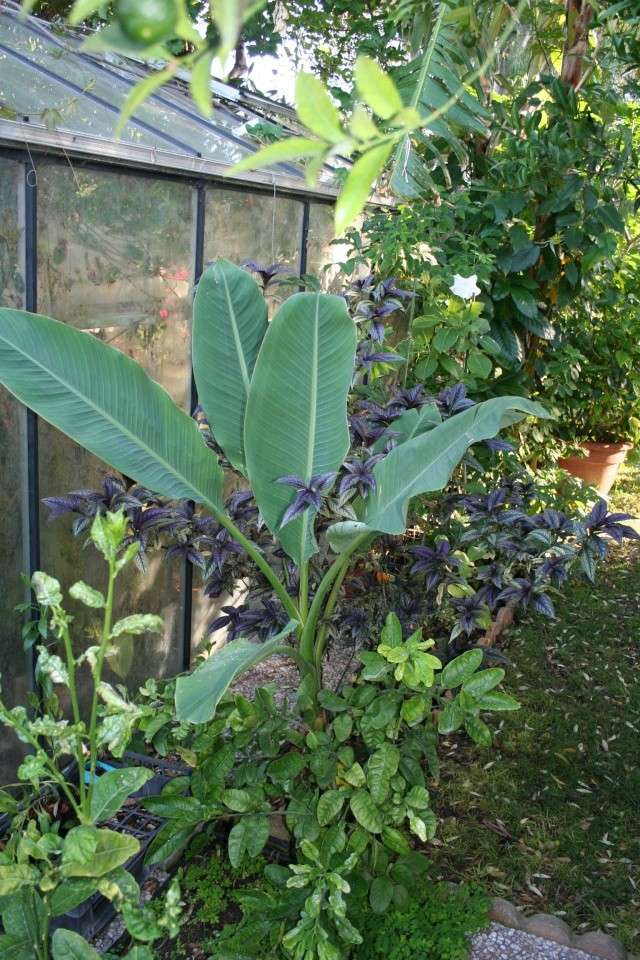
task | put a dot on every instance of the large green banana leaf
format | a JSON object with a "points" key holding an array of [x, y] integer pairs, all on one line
{"points": [[425, 464], [229, 323], [106, 402], [198, 694], [296, 419]]}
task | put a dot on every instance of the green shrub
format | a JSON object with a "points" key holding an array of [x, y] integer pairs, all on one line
{"points": [[434, 924], [210, 880]]}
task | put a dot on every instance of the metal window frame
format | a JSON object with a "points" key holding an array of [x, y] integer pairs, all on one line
{"points": [[187, 576], [170, 100], [30, 241], [20, 134], [99, 101]]}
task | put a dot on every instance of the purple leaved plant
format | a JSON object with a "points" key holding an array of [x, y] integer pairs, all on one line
{"points": [[308, 494]]}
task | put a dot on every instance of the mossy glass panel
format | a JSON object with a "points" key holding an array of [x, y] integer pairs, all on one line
{"points": [[115, 259], [14, 662]]}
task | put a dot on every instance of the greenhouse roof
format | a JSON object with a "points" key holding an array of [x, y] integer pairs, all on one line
{"points": [[54, 95]]}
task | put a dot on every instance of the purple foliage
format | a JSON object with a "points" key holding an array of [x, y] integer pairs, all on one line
{"points": [[367, 357], [308, 495], [600, 521], [359, 476], [266, 273], [435, 562]]}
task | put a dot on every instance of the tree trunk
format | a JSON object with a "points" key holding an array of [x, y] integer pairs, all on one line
{"points": [[578, 14], [240, 67], [504, 619]]}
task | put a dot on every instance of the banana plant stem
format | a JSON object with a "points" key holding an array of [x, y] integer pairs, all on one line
{"points": [[303, 594], [303, 666], [321, 638], [307, 640]]}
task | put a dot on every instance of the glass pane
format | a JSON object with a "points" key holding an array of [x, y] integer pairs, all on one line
{"points": [[323, 256], [243, 226], [40, 97], [115, 258], [28, 90], [13, 532]]}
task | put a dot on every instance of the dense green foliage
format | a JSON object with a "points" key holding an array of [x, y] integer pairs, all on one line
{"points": [[508, 139], [212, 881], [301, 379], [53, 861], [435, 924], [591, 379], [353, 785], [437, 920]]}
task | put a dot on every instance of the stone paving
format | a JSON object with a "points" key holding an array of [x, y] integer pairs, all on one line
{"points": [[504, 943]]}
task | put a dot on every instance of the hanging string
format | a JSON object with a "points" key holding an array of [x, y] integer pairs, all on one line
{"points": [[32, 171], [71, 167]]}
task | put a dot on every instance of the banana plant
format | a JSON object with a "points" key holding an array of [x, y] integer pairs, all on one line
{"points": [[275, 395]]}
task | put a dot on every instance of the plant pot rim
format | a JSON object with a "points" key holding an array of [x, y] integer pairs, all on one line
{"points": [[601, 445]]}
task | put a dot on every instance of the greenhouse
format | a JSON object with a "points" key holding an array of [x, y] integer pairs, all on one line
{"points": [[319, 479], [111, 235]]}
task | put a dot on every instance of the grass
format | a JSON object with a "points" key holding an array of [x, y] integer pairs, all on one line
{"points": [[550, 817]]}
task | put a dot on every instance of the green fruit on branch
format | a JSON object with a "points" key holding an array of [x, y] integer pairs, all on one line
{"points": [[147, 21]]}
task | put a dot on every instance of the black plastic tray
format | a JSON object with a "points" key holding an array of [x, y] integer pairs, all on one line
{"points": [[168, 768], [90, 917]]}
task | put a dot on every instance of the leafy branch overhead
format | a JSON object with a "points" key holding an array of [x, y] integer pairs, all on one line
{"points": [[398, 117], [431, 96], [384, 118]]}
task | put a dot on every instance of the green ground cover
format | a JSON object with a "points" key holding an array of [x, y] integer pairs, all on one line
{"points": [[550, 817]]}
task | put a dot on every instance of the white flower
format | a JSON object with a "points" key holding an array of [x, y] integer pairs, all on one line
{"points": [[465, 287]]}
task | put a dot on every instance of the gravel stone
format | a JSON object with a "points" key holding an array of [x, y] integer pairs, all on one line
{"points": [[601, 945], [505, 913], [338, 669], [549, 927], [501, 943]]}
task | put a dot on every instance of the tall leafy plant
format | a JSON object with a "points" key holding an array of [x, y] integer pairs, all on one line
{"points": [[276, 399], [65, 843]]}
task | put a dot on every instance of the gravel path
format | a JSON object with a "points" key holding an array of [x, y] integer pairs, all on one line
{"points": [[502, 943]]}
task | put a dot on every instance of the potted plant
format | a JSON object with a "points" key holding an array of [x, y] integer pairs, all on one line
{"points": [[591, 382]]}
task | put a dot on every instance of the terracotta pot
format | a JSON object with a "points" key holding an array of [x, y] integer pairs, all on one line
{"points": [[599, 466]]}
